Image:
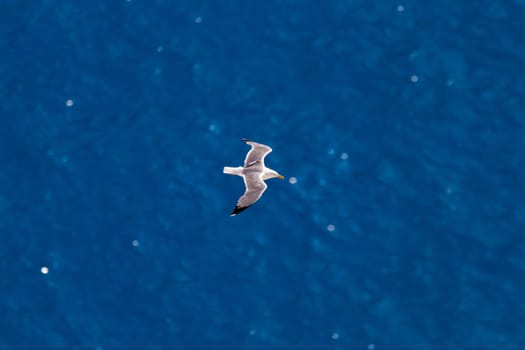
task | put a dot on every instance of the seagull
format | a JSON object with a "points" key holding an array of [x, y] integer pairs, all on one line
{"points": [[254, 172]]}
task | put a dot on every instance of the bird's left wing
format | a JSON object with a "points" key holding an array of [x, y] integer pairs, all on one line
{"points": [[256, 154]]}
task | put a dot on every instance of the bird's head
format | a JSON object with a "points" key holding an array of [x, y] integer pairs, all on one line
{"points": [[270, 174], [277, 175]]}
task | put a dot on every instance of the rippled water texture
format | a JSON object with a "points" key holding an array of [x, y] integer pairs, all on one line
{"points": [[399, 127]]}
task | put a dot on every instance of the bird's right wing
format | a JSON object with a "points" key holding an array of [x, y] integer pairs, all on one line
{"points": [[255, 187]]}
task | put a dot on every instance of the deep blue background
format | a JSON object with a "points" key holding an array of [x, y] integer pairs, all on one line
{"points": [[428, 250]]}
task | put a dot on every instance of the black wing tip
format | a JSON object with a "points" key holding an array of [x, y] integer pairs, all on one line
{"points": [[237, 210]]}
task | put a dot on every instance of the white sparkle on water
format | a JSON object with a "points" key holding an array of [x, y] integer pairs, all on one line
{"points": [[69, 103], [414, 78], [293, 180], [160, 48], [371, 346], [400, 8], [330, 228], [44, 270], [135, 243], [198, 20], [335, 336], [344, 156]]}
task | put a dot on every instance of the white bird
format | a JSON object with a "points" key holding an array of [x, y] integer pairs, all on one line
{"points": [[254, 172]]}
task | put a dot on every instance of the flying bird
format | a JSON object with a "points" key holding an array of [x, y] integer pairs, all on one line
{"points": [[254, 172]]}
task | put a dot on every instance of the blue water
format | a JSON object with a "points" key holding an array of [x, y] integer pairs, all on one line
{"points": [[402, 124]]}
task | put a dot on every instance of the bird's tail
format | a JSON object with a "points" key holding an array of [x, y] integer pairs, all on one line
{"points": [[232, 170]]}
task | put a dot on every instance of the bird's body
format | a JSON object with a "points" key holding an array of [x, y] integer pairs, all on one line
{"points": [[254, 172]]}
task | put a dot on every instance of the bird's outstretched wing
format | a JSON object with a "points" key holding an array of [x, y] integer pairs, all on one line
{"points": [[255, 187], [256, 154]]}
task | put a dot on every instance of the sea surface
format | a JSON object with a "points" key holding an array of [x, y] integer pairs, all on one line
{"points": [[400, 128]]}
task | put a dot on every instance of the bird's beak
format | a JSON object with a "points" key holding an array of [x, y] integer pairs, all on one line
{"points": [[280, 177]]}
